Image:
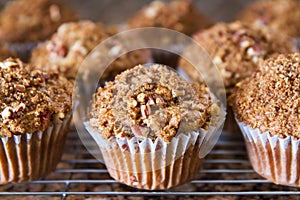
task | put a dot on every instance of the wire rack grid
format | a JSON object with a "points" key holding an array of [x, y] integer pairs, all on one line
{"points": [[226, 174]]}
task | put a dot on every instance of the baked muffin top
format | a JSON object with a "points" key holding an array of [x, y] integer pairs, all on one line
{"points": [[269, 99], [31, 99], [32, 20], [70, 45], [151, 102], [237, 49], [281, 15], [179, 15]]}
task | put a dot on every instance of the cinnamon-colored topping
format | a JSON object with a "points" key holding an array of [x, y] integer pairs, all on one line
{"points": [[149, 103], [73, 41], [32, 20], [282, 16], [30, 100], [237, 49], [179, 15], [270, 99]]}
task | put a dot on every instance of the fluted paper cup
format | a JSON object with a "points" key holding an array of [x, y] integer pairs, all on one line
{"points": [[153, 165], [33, 155], [276, 159]]}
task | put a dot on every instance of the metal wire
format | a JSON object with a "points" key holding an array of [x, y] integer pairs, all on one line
{"points": [[226, 172]]}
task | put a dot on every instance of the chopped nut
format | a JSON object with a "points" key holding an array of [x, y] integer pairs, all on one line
{"points": [[255, 50], [7, 114], [61, 115], [144, 111], [177, 93], [20, 88], [244, 43], [7, 64], [56, 48], [148, 109], [217, 60], [134, 103], [150, 101], [159, 100], [79, 48], [19, 108], [251, 51], [54, 11], [141, 98], [116, 50], [152, 10], [140, 131]]}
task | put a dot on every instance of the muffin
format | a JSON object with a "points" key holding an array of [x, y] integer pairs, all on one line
{"points": [[70, 45], [179, 15], [23, 23], [150, 125], [267, 110], [282, 16], [237, 49], [35, 114]]}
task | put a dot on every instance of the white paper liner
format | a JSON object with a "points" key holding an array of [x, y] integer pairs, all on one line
{"points": [[275, 158], [148, 164], [33, 155], [147, 150]]}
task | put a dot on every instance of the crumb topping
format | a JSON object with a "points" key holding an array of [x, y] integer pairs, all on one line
{"points": [[270, 99], [31, 99], [34, 19], [149, 103], [180, 15], [67, 48], [281, 15], [237, 49]]}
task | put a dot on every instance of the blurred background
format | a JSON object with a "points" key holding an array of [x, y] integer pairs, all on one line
{"points": [[116, 11]]}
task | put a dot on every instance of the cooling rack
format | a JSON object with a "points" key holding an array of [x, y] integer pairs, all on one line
{"points": [[226, 174]]}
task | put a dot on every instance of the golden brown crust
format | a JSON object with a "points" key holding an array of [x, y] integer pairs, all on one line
{"points": [[269, 100], [70, 45], [31, 99], [237, 49], [178, 15], [150, 102], [281, 15], [32, 20]]}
